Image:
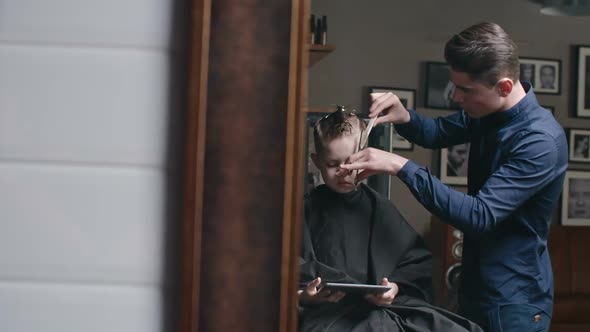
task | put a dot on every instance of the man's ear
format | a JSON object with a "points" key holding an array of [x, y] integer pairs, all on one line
{"points": [[504, 87], [315, 159]]}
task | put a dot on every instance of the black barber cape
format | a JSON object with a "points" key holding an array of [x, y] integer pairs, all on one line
{"points": [[360, 237]]}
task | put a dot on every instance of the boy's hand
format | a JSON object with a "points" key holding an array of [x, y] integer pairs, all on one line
{"points": [[311, 294], [391, 108], [385, 298]]}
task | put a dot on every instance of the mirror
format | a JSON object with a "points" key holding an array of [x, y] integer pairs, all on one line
{"points": [[387, 43]]}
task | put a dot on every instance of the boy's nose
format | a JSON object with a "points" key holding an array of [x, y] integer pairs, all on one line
{"points": [[343, 172]]}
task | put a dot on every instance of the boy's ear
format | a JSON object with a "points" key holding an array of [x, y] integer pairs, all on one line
{"points": [[315, 159]]}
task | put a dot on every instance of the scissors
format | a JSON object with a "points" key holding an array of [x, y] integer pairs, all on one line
{"points": [[364, 141]]}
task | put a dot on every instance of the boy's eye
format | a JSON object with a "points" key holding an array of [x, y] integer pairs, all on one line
{"points": [[332, 165]]}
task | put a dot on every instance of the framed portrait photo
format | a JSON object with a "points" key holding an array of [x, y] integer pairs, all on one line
{"points": [[575, 201], [579, 145], [583, 82], [398, 142], [453, 164], [543, 74], [439, 88]]}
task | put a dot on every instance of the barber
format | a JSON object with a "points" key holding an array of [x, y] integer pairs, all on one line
{"points": [[516, 168]]}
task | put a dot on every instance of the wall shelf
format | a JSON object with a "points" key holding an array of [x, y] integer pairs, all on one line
{"points": [[318, 52]]}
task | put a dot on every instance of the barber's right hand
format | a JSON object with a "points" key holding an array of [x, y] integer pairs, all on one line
{"points": [[389, 106], [312, 294]]}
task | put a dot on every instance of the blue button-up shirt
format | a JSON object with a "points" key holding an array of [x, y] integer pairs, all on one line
{"points": [[517, 164]]}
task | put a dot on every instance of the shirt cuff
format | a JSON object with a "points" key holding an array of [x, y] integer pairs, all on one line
{"points": [[410, 125], [407, 173]]}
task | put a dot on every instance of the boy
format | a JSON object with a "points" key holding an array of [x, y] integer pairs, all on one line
{"points": [[352, 235]]}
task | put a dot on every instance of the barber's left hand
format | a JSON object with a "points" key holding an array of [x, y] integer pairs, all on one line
{"points": [[374, 161], [385, 298]]}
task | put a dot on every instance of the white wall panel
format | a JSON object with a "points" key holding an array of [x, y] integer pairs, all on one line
{"points": [[143, 23], [81, 224], [79, 105], [29, 307], [87, 95]]}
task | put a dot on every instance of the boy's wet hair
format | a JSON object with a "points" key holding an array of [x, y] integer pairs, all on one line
{"points": [[339, 123]]}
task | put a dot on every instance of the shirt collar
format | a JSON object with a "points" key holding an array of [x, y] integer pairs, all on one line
{"points": [[500, 118]]}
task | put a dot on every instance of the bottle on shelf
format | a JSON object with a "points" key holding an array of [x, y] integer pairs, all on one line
{"points": [[324, 40], [312, 29], [318, 31]]}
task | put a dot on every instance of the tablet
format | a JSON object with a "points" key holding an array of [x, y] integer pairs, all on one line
{"points": [[356, 288]]}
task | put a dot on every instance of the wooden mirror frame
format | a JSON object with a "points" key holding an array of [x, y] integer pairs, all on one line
{"points": [[242, 205]]}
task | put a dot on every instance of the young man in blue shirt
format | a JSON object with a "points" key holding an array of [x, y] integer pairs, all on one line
{"points": [[517, 164]]}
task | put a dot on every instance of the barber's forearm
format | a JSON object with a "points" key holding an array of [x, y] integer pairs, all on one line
{"points": [[434, 133], [468, 214], [419, 129]]}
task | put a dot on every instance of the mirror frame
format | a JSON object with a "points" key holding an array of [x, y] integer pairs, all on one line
{"points": [[197, 266]]}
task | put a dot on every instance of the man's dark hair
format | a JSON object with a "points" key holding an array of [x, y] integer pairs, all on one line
{"points": [[485, 52]]}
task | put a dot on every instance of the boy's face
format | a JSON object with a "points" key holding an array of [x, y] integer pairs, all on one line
{"points": [[328, 162]]}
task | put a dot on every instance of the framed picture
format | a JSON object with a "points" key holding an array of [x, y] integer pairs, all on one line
{"points": [[549, 108], [453, 164], [543, 74], [583, 82], [579, 145], [398, 142], [380, 139], [575, 201], [408, 99], [439, 88]]}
